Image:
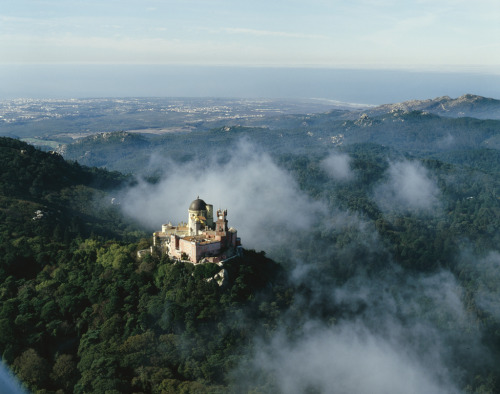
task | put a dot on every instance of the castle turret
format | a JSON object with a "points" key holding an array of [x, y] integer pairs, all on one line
{"points": [[197, 216], [221, 224]]}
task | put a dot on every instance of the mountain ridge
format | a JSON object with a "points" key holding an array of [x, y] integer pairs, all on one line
{"points": [[467, 105]]}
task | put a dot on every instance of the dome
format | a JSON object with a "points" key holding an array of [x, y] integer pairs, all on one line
{"points": [[198, 205]]}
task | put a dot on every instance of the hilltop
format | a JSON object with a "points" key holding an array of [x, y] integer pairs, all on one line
{"points": [[468, 105], [80, 312]]}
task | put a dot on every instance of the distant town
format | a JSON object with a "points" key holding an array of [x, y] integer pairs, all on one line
{"points": [[49, 122], [202, 109]]}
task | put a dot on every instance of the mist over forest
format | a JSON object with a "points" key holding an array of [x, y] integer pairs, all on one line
{"points": [[371, 259], [348, 149], [395, 329]]}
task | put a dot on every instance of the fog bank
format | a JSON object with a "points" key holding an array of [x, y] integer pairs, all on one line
{"points": [[264, 202], [393, 330]]}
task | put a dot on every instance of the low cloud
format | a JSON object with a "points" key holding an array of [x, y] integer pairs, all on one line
{"points": [[484, 276], [392, 332], [408, 188], [405, 336], [488, 295], [264, 202], [338, 166], [8, 382], [446, 142], [273, 33], [346, 359]]}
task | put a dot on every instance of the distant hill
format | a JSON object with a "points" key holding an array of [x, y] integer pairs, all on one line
{"points": [[468, 105], [413, 131], [100, 149], [181, 130], [65, 122], [419, 131]]}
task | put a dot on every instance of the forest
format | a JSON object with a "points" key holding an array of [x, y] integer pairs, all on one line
{"points": [[374, 260], [81, 313]]}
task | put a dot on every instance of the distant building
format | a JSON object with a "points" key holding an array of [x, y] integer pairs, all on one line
{"points": [[200, 239]]}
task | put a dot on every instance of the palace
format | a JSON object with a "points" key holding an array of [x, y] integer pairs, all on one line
{"points": [[200, 239]]}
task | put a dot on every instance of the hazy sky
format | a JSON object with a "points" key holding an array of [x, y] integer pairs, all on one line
{"points": [[339, 33], [459, 36]]}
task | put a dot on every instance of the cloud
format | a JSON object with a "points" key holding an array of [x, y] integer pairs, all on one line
{"points": [[488, 296], [390, 331], [446, 142], [272, 33], [391, 335], [338, 166], [264, 202], [266, 206], [484, 274], [408, 188], [346, 359], [8, 382]]}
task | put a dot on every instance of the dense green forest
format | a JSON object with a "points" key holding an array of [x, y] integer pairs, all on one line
{"points": [[79, 312]]}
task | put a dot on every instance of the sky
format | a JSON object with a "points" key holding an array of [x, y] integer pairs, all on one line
{"points": [[444, 36]]}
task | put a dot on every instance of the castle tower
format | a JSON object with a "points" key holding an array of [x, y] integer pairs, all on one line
{"points": [[197, 214], [221, 224]]}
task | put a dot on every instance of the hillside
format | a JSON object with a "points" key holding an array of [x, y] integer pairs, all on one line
{"points": [[468, 105], [422, 132], [79, 312], [416, 131], [62, 191]]}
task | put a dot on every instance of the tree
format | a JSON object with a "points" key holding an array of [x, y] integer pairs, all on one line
{"points": [[31, 368], [64, 372]]}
